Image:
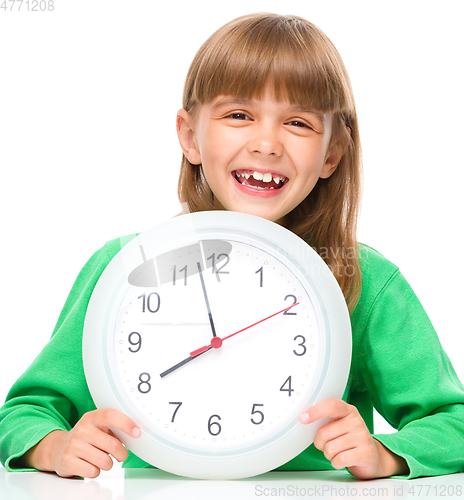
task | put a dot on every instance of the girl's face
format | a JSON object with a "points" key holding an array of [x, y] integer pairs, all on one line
{"points": [[261, 157]]}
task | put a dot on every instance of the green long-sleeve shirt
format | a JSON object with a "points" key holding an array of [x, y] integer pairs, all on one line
{"points": [[398, 367]]}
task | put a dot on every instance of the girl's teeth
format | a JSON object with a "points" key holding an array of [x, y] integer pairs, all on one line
{"points": [[263, 177], [267, 177]]}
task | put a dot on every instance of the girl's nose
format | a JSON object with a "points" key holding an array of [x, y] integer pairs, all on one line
{"points": [[266, 140]]}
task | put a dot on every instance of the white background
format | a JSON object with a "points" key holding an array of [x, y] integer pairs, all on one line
{"points": [[88, 150]]}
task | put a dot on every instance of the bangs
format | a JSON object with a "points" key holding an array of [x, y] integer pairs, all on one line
{"points": [[288, 53]]}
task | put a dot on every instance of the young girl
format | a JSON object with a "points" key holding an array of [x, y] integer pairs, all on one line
{"points": [[269, 127]]}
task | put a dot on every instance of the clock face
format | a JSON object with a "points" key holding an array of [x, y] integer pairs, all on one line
{"points": [[215, 341]]}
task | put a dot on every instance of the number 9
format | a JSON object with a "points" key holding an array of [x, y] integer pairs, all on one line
{"points": [[138, 342]]}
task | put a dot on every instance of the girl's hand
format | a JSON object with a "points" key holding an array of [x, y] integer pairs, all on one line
{"points": [[347, 442], [84, 450]]}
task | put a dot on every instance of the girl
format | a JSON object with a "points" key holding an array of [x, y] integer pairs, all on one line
{"points": [[269, 127]]}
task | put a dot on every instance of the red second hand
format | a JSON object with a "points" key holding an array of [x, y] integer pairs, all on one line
{"points": [[216, 342]]}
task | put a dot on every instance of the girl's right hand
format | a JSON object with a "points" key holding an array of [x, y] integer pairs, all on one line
{"points": [[84, 450]]}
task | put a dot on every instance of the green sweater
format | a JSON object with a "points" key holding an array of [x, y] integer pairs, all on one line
{"points": [[398, 367]]}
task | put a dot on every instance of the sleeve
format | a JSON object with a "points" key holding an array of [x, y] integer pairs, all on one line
{"points": [[412, 383], [52, 394]]}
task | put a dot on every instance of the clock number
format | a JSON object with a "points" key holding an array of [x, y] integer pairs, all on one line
{"points": [[210, 425], [289, 390], [138, 342], [175, 411], [184, 269], [290, 312], [300, 345], [146, 301], [219, 269], [260, 271], [253, 412], [144, 383]]}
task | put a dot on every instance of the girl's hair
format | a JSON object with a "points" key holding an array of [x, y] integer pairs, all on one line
{"points": [[302, 66]]}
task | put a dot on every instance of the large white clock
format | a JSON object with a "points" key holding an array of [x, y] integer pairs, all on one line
{"points": [[214, 331]]}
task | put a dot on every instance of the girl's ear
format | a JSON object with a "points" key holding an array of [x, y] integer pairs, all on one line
{"points": [[334, 155], [186, 135]]}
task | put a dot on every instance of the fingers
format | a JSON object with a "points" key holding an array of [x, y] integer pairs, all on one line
{"points": [[345, 440], [75, 456], [334, 449], [351, 425], [82, 459], [88, 447], [109, 417], [109, 445], [77, 467], [105, 441], [331, 408], [344, 433]]}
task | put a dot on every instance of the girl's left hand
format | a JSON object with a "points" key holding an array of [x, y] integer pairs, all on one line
{"points": [[347, 442]]}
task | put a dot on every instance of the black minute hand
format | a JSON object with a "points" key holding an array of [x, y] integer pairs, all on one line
{"points": [[206, 299], [186, 360]]}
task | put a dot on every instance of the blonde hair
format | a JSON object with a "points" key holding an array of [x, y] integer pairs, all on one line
{"points": [[302, 66]]}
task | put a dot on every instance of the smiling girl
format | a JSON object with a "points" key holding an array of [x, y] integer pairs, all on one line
{"points": [[269, 127]]}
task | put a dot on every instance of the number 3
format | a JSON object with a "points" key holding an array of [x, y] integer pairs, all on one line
{"points": [[300, 345]]}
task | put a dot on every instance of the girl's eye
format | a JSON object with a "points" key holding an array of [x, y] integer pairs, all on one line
{"points": [[239, 116], [296, 123]]}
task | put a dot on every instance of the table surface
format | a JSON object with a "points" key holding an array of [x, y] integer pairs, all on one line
{"points": [[144, 484]]}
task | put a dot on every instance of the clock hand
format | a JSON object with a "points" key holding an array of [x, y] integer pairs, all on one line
{"points": [[181, 363], [216, 342], [206, 299]]}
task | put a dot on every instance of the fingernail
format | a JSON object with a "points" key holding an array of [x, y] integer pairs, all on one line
{"points": [[136, 432], [304, 418]]}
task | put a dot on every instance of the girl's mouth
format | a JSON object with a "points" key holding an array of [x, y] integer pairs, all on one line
{"points": [[259, 180]]}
